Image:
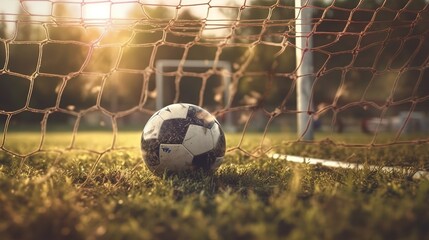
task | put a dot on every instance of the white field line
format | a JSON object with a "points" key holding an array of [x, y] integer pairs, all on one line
{"points": [[337, 164]]}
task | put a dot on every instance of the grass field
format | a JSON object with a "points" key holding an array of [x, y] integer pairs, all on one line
{"points": [[93, 192]]}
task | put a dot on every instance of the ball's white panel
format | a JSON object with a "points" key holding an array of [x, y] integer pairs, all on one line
{"points": [[174, 157], [151, 130], [215, 133], [198, 139], [174, 111]]}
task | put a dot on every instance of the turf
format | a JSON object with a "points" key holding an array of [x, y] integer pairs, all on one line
{"points": [[100, 193]]}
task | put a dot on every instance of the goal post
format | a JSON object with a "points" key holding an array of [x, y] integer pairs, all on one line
{"points": [[162, 64], [304, 69], [223, 69]]}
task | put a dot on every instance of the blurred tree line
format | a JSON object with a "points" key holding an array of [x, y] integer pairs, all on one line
{"points": [[360, 53]]}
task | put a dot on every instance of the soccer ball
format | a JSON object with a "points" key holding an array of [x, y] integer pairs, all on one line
{"points": [[182, 137]]}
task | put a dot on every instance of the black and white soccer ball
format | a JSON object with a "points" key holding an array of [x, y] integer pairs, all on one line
{"points": [[182, 137]]}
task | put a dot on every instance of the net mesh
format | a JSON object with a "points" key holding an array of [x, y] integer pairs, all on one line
{"points": [[75, 66]]}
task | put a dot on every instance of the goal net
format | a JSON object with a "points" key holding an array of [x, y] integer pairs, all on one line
{"points": [[351, 74]]}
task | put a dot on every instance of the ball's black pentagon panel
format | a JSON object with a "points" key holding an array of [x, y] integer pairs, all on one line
{"points": [[173, 131], [200, 116], [204, 161], [220, 146], [150, 149]]}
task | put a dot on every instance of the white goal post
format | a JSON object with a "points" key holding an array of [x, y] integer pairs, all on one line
{"points": [[162, 64], [304, 68]]}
